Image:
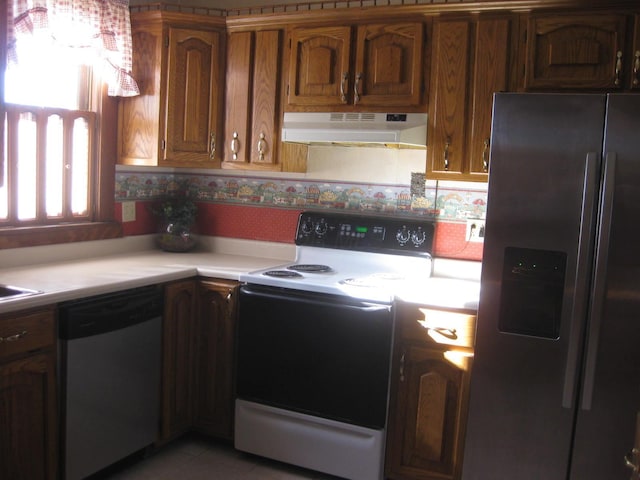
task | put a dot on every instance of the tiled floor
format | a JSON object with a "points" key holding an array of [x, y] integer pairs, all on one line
{"points": [[195, 458]]}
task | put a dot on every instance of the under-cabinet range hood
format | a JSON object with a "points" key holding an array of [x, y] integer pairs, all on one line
{"points": [[408, 130]]}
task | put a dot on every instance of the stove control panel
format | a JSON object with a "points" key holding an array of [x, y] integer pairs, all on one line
{"points": [[366, 233]]}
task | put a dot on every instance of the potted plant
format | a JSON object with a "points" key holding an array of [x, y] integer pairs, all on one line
{"points": [[177, 215]]}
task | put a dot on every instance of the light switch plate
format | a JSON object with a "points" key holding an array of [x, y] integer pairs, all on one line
{"points": [[129, 211]]}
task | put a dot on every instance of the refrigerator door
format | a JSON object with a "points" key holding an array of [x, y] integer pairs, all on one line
{"points": [[610, 394], [540, 234]]}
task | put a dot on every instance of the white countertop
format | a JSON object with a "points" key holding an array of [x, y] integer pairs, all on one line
{"points": [[91, 268]]}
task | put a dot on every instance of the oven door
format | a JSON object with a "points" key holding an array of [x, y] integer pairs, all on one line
{"points": [[321, 355]]}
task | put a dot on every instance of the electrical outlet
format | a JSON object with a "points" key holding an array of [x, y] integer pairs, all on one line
{"points": [[128, 211], [475, 230]]}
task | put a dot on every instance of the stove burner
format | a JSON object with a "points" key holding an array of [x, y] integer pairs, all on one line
{"points": [[310, 268], [282, 274]]}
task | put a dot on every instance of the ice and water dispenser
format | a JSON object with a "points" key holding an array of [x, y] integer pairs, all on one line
{"points": [[532, 292]]}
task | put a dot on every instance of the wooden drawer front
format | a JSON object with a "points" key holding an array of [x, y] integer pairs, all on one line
{"points": [[439, 327], [20, 333]]}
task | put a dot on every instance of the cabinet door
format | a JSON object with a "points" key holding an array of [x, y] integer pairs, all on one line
{"points": [[193, 84], [491, 55], [388, 68], [178, 355], [139, 136], [28, 411], [635, 70], [447, 129], [319, 66], [426, 427], [252, 108], [576, 51], [216, 335]]}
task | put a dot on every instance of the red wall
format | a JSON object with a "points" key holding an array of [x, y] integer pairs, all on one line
{"points": [[279, 225]]}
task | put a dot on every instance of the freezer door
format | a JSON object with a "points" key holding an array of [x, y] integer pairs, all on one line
{"points": [[610, 395], [540, 234]]}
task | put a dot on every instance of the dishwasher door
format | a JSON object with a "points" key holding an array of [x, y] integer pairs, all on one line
{"points": [[110, 378]]}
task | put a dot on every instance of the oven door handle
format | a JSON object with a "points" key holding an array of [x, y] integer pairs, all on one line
{"points": [[311, 299]]}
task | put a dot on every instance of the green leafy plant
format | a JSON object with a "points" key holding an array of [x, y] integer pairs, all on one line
{"points": [[177, 210]]}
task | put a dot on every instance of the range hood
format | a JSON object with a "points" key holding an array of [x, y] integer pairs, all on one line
{"points": [[382, 129]]}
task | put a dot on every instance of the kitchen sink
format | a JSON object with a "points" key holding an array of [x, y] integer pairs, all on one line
{"points": [[9, 292]]}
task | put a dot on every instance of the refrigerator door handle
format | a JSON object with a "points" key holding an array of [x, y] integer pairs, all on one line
{"points": [[589, 195], [599, 280]]}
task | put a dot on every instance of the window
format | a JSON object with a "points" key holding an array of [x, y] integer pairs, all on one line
{"points": [[59, 145]]}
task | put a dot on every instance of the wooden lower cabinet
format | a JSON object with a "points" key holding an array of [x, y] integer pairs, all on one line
{"points": [[28, 405], [429, 393], [199, 338], [215, 324], [178, 359]]}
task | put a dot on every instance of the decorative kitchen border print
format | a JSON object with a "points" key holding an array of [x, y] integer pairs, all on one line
{"points": [[440, 203]]}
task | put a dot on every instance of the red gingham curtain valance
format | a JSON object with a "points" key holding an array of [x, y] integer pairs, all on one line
{"points": [[102, 27]]}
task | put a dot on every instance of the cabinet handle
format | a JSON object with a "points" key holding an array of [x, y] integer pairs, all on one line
{"points": [[229, 296], [485, 156], [343, 87], [402, 367], [13, 338], [446, 153], [234, 146], [618, 68], [631, 461], [356, 93], [636, 68], [212, 146], [262, 147]]}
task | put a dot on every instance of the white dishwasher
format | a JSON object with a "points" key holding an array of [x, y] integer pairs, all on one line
{"points": [[110, 352]]}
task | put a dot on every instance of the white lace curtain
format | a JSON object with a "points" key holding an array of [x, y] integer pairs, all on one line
{"points": [[90, 29]]}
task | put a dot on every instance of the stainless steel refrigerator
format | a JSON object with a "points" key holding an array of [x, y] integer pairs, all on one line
{"points": [[555, 385]]}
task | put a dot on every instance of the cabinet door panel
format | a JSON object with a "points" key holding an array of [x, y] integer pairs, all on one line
{"points": [[27, 410], [427, 415], [575, 51], [448, 104], [388, 65], [193, 85], [490, 76], [139, 117], [266, 74], [216, 335], [178, 348], [635, 70], [237, 108], [319, 66]]}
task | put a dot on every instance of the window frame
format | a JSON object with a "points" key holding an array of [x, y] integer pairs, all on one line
{"points": [[104, 225]]}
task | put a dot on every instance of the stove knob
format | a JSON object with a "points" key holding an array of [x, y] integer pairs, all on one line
{"points": [[403, 235], [321, 228], [306, 227], [418, 237]]}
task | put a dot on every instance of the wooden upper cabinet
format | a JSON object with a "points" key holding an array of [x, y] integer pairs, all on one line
{"points": [[193, 83], [577, 52], [252, 100], [175, 121], [470, 63], [635, 71], [319, 66], [388, 67], [383, 70]]}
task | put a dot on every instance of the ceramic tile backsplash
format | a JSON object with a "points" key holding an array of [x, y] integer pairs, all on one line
{"points": [[440, 203]]}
